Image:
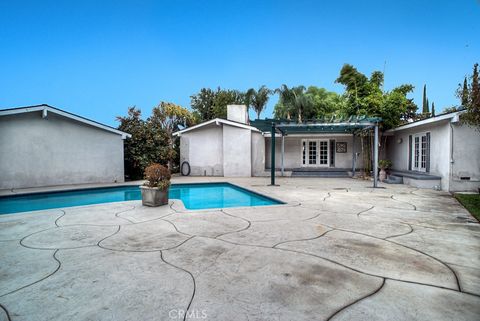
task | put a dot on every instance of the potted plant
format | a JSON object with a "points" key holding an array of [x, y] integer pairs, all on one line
{"points": [[384, 164], [155, 189]]}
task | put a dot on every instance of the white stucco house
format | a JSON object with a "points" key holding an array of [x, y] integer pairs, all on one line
{"points": [[44, 146], [224, 147], [440, 147], [437, 152]]}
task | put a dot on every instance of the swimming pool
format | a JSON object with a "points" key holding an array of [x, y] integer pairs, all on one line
{"points": [[194, 197]]}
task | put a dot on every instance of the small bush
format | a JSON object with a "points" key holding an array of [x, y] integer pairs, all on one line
{"points": [[157, 176], [385, 163]]}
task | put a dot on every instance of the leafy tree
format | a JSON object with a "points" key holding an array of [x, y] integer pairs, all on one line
{"points": [[209, 104], [411, 108], [226, 97], [365, 97], [450, 109], [202, 104], [134, 125], [166, 118], [354, 81], [258, 99], [325, 103], [151, 140], [433, 109], [145, 145]]}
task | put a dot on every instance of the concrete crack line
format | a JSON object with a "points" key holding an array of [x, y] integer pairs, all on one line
{"points": [[65, 248], [328, 196], [358, 300], [417, 189], [146, 251], [193, 280], [40, 280], [58, 218], [397, 235], [313, 217], [240, 230], [47, 249], [175, 227], [414, 207], [307, 239], [364, 211], [108, 236], [6, 312], [124, 218]]}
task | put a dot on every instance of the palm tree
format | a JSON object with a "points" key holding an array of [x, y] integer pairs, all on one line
{"points": [[258, 99], [294, 100]]}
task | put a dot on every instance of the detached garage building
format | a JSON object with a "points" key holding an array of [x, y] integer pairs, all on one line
{"points": [[224, 147], [44, 146]]}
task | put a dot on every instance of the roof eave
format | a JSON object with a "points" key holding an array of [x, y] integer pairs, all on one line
{"points": [[453, 117], [216, 121], [47, 108]]}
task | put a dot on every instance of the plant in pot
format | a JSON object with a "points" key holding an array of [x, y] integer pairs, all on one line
{"points": [[384, 164], [155, 189]]}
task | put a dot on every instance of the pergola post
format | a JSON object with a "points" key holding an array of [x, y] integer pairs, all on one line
{"points": [[375, 157], [353, 156], [272, 170], [283, 152]]}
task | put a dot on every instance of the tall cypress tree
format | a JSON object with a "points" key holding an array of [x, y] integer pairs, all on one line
{"points": [[472, 114], [475, 95], [464, 95], [433, 109], [425, 101]]}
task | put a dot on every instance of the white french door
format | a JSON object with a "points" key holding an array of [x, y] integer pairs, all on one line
{"points": [[315, 152], [419, 152]]}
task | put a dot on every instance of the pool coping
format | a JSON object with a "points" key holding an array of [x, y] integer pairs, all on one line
{"points": [[65, 188]]}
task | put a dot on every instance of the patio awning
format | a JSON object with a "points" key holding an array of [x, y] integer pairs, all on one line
{"points": [[323, 125]]}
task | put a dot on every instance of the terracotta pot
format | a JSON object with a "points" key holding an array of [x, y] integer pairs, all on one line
{"points": [[383, 175], [153, 196]]}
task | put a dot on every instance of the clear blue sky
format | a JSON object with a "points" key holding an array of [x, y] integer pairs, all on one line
{"points": [[96, 58]]}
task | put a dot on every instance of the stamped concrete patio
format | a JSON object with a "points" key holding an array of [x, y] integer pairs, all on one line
{"points": [[338, 250]]}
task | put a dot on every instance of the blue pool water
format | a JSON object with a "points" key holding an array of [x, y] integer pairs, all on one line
{"points": [[193, 196]]}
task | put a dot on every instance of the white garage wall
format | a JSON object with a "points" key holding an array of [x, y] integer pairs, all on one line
{"points": [[203, 149], [56, 151], [237, 159], [465, 158]]}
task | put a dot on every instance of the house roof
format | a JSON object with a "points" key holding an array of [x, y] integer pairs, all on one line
{"points": [[217, 121], [324, 125], [452, 116], [45, 109]]}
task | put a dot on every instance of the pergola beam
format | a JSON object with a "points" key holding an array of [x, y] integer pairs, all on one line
{"points": [[375, 157]]}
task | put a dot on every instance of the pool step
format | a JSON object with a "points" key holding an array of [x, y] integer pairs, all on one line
{"points": [[321, 173], [392, 179]]}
